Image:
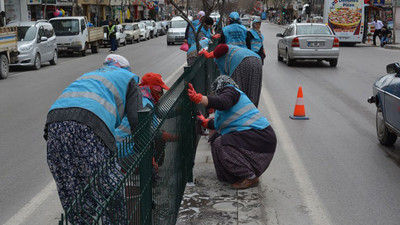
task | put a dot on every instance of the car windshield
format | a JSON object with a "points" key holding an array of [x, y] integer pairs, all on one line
{"points": [[127, 27], [141, 25], [312, 29], [148, 23], [26, 33], [178, 24], [65, 27]]}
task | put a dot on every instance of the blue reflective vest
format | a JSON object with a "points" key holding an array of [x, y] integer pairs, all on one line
{"points": [[257, 41], [101, 92], [124, 130], [191, 37], [235, 34], [242, 116], [228, 62]]}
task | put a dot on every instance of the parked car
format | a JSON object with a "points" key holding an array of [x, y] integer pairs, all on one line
{"points": [[386, 96], [165, 23], [246, 21], [132, 32], [160, 29], [36, 44], [144, 31], [74, 34], [176, 32], [120, 35], [151, 24], [306, 41]]}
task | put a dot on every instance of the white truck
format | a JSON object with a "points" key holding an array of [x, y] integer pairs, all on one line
{"points": [[8, 49], [346, 19], [74, 34]]}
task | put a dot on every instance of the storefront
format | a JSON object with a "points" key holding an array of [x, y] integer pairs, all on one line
{"points": [[16, 10]]}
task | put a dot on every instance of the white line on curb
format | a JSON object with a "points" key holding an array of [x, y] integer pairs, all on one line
{"points": [[311, 199]]}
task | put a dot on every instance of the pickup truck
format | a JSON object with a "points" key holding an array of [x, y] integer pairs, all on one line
{"points": [[8, 49], [74, 34]]}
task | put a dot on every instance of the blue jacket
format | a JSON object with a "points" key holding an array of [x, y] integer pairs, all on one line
{"points": [[228, 62], [235, 34], [124, 130], [242, 116], [110, 93], [257, 41], [191, 37]]}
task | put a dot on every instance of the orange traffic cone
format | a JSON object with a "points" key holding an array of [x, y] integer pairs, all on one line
{"points": [[299, 111]]}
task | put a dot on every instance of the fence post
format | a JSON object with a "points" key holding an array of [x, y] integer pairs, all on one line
{"points": [[145, 167]]}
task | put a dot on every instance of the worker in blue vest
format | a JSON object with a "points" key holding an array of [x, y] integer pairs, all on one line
{"points": [[152, 87], [242, 64], [80, 130], [245, 143], [235, 33], [255, 39], [189, 34]]}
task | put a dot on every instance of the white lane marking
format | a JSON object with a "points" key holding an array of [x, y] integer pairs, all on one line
{"points": [[318, 213], [32, 205]]}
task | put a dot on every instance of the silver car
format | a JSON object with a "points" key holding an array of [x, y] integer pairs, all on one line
{"points": [[176, 31], [36, 43], [304, 41]]}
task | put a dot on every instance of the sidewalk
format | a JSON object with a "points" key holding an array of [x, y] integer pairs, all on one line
{"points": [[209, 201]]}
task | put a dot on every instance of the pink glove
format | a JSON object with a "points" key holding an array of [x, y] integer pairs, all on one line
{"points": [[216, 36]]}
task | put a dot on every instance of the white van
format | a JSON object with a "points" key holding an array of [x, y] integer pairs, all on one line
{"points": [[74, 34], [176, 30], [36, 44]]}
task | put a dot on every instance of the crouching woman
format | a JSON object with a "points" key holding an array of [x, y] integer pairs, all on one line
{"points": [[246, 142]]}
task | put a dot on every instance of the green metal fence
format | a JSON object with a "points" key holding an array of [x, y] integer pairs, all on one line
{"points": [[154, 164]]}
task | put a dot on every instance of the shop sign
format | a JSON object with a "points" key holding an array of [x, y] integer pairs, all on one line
{"points": [[379, 2], [34, 2]]}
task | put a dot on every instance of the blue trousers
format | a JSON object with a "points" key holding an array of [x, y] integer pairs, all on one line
{"points": [[113, 41]]}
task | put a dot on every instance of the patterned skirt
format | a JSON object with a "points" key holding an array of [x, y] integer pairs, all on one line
{"points": [[74, 154], [233, 164], [248, 75]]}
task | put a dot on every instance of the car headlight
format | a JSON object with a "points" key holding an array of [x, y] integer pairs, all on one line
{"points": [[74, 43], [25, 48]]}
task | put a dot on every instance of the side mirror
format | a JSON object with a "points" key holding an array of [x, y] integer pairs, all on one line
{"points": [[279, 35], [43, 38], [393, 68]]}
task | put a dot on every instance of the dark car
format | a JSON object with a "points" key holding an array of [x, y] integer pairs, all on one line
{"points": [[386, 96]]}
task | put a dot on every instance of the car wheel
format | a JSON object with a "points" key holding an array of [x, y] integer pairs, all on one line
{"points": [[385, 137], [37, 63], [289, 61], [333, 62], [280, 58], [94, 49], [3, 66], [84, 51], [118, 43], [168, 43], [124, 42], [148, 37], [55, 59], [138, 40]]}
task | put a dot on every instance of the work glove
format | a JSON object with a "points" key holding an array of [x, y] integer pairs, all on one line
{"points": [[216, 36], [203, 120], [207, 54], [193, 95]]}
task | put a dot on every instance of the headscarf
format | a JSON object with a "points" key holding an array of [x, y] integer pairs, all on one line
{"points": [[200, 14], [221, 82], [118, 61]]}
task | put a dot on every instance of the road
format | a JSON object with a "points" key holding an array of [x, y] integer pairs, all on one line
{"points": [[330, 169]]}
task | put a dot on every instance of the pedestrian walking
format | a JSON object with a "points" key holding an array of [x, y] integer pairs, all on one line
{"points": [[235, 33], [245, 143], [243, 65], [112, 36], [80, 133], [378, 27], [255, 39]]}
